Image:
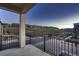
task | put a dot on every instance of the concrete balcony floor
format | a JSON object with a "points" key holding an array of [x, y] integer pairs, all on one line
{"points": [[29, 50]]}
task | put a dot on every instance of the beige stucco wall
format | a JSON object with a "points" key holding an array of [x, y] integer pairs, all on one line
{"points": [[22, 30]]}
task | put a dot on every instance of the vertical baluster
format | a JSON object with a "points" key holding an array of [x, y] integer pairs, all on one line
{"points": [[68, 48], [76, 48], [54, 45], [47, 39], [10, 42], [50, 44], [44, 44], [72, 48], [7, 42], [0, 42], [17, 41], [59, 46], [29, 40], [64, 46]]}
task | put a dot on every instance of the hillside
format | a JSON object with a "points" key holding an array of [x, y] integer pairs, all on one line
{"points": [[33, 30]]}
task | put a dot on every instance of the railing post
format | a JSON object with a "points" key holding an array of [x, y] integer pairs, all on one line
{"points": [[0, 42], [1, 31], [76, 48], [30, 40], [44, 44]]}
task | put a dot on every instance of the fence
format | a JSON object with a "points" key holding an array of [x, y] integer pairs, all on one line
{"points": [[8, 41], [56, 46], [53, 45]]}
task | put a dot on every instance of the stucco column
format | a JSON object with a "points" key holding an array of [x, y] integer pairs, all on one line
{"points": [[22, 30]]}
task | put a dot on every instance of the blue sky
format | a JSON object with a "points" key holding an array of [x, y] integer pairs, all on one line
{"points": [[57, 15]]}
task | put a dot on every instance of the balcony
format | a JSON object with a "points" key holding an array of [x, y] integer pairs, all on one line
{"points": [[28, 50], [39, 46], [12, 41], [21, 45]]}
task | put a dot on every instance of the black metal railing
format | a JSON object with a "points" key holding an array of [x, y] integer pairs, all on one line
{"points": [[8, 41], [55, 45]]}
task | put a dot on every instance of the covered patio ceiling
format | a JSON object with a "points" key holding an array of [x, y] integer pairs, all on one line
{"points": [[17, 7]]}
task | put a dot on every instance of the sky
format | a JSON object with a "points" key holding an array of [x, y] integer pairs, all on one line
{"points": [[57, 15]]}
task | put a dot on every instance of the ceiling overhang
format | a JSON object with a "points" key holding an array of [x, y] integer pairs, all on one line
{"points": [[17, 7]]}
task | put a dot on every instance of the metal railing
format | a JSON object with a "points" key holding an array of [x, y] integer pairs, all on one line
{"points": [[57, 46], [8, 41]]}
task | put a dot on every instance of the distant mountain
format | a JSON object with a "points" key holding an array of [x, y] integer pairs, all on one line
{"points": [[68, 29]]}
